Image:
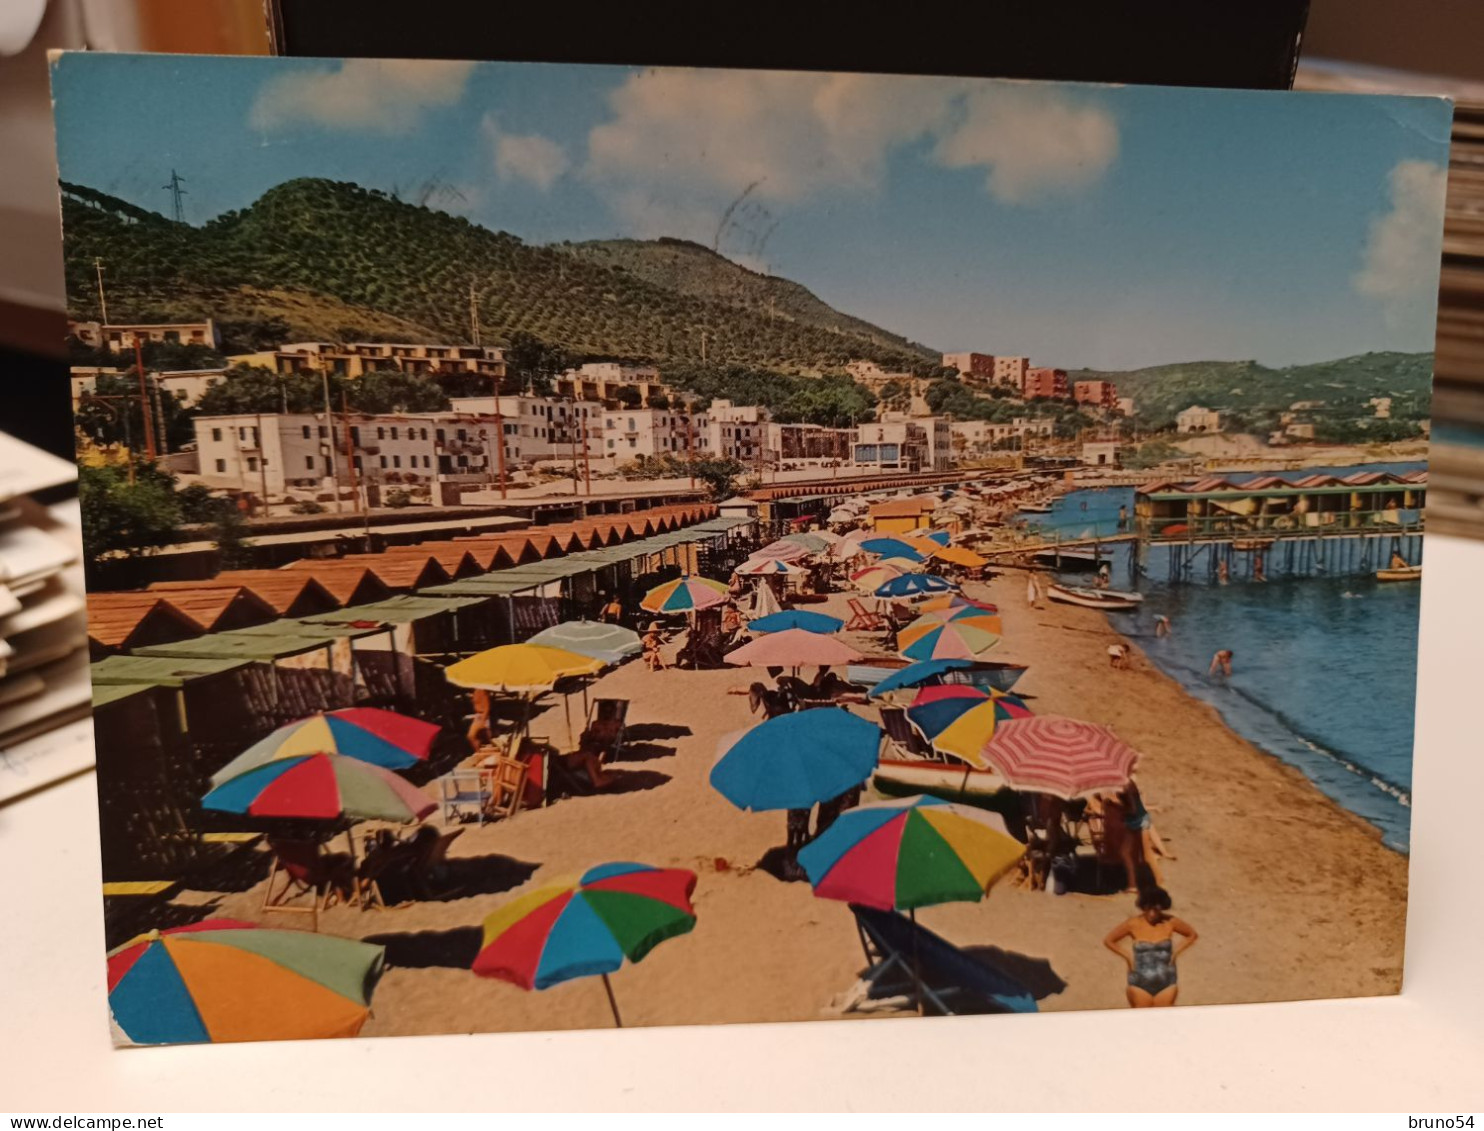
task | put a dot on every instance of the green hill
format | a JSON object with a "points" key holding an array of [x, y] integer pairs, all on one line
{"points": [[322, 259], [1254, 391], [688, 268]]}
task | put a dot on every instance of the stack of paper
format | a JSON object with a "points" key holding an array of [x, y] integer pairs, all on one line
{"points": [[44, 688]]}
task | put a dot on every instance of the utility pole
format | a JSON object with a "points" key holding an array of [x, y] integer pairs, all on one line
{"points": [[499, 437], [164, 433], [263, 463], [144, 409], [329, 446], [572, 434], [102, 302], [350, 466], [473, 314], [703, 347], [690, 455], [176, 192]]}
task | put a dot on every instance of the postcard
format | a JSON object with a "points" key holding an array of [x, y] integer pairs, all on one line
{"points": [[585, 546]]}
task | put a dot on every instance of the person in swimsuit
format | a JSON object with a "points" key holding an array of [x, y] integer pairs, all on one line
{"points": [[1222, 662], [1152, 950]]}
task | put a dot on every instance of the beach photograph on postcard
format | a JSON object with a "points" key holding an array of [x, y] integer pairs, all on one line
{"points": [[572, 547]]}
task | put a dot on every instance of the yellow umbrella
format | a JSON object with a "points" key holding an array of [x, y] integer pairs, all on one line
{"points": [[868, 580], [520, 668], [901, 565], [959, 555]]}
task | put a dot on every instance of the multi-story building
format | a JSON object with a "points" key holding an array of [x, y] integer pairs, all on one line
{"points": [[1100, 453], [119, 337], [538, 428], [186, 386], [1097, 394], [1126, 405], [355, 359], [737, 432], [897, 442], [1043, 381], [1011, 371], [973, 368], [632, 432], [806, 443], [607, 380], [1197, 419], [981, 437]]}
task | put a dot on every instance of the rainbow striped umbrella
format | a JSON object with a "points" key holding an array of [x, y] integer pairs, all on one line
{"points": [[755, 567], [931, 638], [577, 928], [1063, 757], [686, 594], [368, 734], [911, 853], [959, 719], [955, 601], [868, 580], [223, 980], [320, 787]]}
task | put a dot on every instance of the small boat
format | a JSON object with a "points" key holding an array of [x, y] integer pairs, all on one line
{"points": [[950, 780], [1399, 573], [1034, 508], [987, 674], [1111, 600]]}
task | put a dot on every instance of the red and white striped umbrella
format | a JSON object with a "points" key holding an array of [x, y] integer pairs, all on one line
{"points": [[1063, 757]]}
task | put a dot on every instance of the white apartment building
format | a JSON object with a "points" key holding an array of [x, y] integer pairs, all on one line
{"points": [[979, 437], [1011, 371], [901, 443], [118, 337], [629, 433], [274, 454], [186, 385], [737, 432], [538, 428], [355, 359], [1198, 419]]}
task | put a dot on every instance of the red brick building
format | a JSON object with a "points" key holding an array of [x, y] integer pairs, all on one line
{"points": [[1042, 381], [1098, 394]]}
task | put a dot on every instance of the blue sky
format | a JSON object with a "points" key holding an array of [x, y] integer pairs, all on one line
{"points": [[1082, 225]]}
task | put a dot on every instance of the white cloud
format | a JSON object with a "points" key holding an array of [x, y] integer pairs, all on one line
{"points": [[681, 146], [1402, 253], [1033, 142], [382, 95], [525, 157]]}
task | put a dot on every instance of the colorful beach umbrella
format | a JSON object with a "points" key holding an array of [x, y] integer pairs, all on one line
{"points": [[578, 928], [929, 638], [1063, 757], [974, 615], [959, 719], [940, 537], [811, 541], [923, 671], [902, 565], [594, 639], [792, 648], [320, 787], [684, 595], [891, 548], [871, 578], [960, 555], [796, 760], [520, 668], [849, 546], [911, 853], [224, 980], [913, 585], [781, 551], [804, 619], [769, 567], [955, 601], [368, 734]]}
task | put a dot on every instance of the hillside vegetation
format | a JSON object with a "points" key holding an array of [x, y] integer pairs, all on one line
{"points": [[1253, 392], [323, 259]]}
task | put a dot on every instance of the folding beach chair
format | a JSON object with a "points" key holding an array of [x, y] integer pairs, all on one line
{"points": [[906, 959], [901, 734], [604, 733], [307, 870], [462, 792], [506, 779], [862, 619]]}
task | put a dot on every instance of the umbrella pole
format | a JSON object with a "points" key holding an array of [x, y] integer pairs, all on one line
{"points": [[916, 962], [612, 1002]]}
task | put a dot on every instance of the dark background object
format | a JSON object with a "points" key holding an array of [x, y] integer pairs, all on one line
{"points": [[1251, 43]]}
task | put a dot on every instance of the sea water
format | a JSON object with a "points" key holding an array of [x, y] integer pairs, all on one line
{"points": [[1323, 672]]}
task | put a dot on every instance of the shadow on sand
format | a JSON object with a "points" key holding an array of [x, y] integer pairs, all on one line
{"points": [[650, 732], [1035, 974], [421, 949], [642, 752]]}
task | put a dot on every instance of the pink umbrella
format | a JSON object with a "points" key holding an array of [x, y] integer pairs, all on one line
{"points": [[769, 567], [1060, 756], [780, 552], [793, 648]]}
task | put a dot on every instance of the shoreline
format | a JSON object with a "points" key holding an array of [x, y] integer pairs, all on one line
{"points": [[1293, 896]]}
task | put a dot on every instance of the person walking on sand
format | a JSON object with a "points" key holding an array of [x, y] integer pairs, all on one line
{"points": [[1032, 591], [1152, 949], [1221, 662], [479, 725]]}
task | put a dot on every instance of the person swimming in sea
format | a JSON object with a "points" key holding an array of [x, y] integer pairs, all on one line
{"points": [[1222, 662], [1153, 949]]}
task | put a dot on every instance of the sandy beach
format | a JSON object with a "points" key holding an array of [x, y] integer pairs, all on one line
{"points": [[1293, 897]]}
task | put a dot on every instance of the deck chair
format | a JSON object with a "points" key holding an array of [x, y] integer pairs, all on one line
{"points": [[461, 793], [862, 619], [906, 959], [506, 782], [901, 734], [326, 878], [604, 733]]}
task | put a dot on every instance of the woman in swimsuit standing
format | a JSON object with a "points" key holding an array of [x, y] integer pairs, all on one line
{"points": [[1152, 949]]}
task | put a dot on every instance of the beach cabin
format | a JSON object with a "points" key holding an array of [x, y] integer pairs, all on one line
{"points": [[290, 593], [118, 622], [901, 516]]}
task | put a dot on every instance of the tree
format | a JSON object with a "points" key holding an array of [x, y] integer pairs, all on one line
{"points": [[390, 390], [123, 519], [233, 549], [719, 475]]}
